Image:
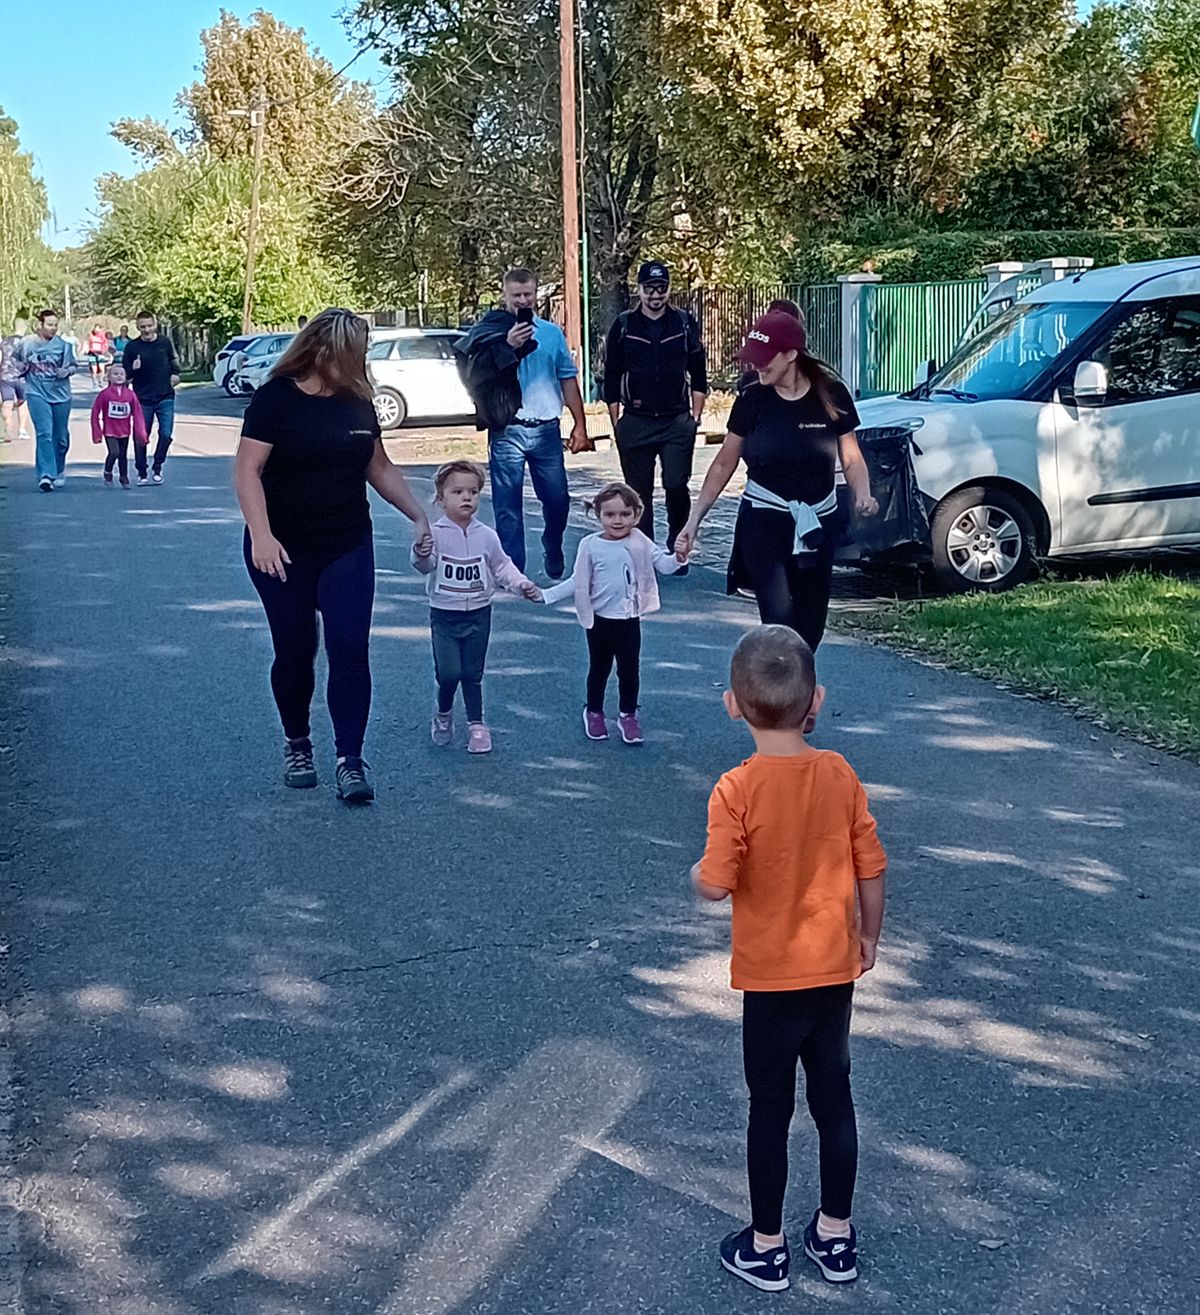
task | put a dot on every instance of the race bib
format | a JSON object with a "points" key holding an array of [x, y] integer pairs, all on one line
{"points": [[118, 410], [460, 577]]}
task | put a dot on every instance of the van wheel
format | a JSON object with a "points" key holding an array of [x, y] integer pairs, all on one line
{"points": [[391, 410], [983, 539]]}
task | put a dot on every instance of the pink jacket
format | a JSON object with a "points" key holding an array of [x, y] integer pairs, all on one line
{"points": [[116, 413], [466, 566], [647, 559]]}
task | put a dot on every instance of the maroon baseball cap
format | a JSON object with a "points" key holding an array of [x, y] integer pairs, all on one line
{"points": [[772, 333]]}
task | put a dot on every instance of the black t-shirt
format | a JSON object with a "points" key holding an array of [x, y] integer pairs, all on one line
{"points": [[150, 366], [791, 447], [316, 476]]}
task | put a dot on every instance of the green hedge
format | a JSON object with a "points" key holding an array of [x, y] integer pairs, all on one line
{"points": [[934, 257]]}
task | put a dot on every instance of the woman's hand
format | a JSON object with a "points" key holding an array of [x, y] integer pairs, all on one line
{"points": [[685, 541], [269, 556], [865, 505], [422, 537]]}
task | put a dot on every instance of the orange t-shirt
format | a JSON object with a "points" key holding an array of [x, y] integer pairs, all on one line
{"points": [[789, 837]]}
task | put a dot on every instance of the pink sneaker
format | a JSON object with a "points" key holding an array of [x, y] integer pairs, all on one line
{"points": [[630, 728], [595, 726], [479, 738], [441, 729]]}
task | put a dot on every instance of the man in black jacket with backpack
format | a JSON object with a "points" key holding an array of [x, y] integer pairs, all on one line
{"points": [[655, 383]]}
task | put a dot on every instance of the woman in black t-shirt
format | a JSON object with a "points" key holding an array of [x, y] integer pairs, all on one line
{"points": [[791, 428], [310, 446]]}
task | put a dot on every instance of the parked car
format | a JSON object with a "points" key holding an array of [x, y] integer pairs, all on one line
{"points": [[228, 359], [256, 361], [1068, 426], [415, 376]]}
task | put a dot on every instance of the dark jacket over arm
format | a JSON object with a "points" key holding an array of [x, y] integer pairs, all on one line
{"points": [[487, 365]]}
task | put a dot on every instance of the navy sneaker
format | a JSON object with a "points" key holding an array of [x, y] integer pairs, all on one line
{"points": [[555, 564], [767, 1270], [354, 782], [837, 1259]]}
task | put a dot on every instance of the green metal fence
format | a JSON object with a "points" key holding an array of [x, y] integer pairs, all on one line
{"points": [[906, 324], [821, 304]]}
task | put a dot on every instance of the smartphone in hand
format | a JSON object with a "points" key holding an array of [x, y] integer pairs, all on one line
{"points": [[525, 315]]}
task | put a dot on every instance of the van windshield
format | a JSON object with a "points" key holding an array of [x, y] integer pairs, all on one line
{"points": [[1014, 349]]}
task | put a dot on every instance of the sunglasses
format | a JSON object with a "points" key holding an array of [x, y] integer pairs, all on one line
{"points": [[655, 287]]}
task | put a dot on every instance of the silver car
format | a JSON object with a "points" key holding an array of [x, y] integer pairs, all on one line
{"points": [[415, 376]]}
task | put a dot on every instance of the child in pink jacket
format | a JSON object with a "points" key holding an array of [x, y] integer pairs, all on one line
{"points": [[117, 417], [614, 586], [465, 567]]}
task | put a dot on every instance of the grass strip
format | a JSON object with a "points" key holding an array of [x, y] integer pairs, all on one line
{"points": [[1125, 650]]}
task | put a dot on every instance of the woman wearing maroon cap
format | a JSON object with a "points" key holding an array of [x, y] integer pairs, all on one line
{"points": [[791, 428]]}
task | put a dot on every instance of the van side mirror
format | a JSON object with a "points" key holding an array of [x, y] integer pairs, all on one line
{"points": [[1091, 383], [924, 373]]}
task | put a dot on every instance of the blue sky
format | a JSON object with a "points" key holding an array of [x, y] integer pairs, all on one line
{"points": [[69, 69], [66, 78]]}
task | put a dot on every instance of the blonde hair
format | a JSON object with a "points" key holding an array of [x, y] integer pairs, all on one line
{"points": [[332, 346], [458, 468], [615, 490]]}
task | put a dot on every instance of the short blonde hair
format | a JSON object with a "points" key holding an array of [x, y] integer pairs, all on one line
{"points": [[458, 468]]}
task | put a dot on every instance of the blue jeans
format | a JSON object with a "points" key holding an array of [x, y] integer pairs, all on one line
{"points": [[164, 412], [51, 425], [509, 451]]}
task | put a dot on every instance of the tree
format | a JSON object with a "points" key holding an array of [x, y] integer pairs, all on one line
{"points": [[313, 112], [27, 267], [173, 237]]}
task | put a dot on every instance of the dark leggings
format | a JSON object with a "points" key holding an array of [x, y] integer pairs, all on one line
{"points": [[610, 640], [460, 644], [779, 1028], [342, 589], [118, 455], [791, 591]]}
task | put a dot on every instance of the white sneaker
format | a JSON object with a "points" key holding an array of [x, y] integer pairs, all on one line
{"points": [[60, 482], [24, 434], [157, 477], [142, 480]]}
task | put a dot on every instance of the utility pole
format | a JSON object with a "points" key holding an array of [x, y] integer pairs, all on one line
{"points": [[258, 121], [570, 177]]}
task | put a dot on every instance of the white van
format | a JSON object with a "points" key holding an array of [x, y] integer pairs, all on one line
{"points": [[1069, 426]]}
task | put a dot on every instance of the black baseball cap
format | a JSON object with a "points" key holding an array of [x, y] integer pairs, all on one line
{"points": [[654, 271]]}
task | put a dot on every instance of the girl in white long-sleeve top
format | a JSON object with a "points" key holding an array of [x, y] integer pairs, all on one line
{"points": [[614, 586], [465, 566]]}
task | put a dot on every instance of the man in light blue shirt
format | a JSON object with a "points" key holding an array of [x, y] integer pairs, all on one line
{"points": [[549, 379]]}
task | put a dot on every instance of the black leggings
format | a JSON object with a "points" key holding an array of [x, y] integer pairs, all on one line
{"points": [[673, 445], [779, 1028], [460, 645], [342, 589], [118, 455], [791, 591], [608, 640]]}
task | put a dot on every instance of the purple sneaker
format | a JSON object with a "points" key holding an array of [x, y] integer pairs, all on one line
{"points": [[441, 729], [595, 727], [630, 728]]}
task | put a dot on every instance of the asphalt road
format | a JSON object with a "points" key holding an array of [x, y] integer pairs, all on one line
{"points": [[472, 1049]]}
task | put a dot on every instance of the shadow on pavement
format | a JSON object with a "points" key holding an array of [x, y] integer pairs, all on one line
{"points": [[473, 1050]]}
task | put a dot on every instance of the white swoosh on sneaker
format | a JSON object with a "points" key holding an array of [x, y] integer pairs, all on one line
{"points": [[747, 1264]]}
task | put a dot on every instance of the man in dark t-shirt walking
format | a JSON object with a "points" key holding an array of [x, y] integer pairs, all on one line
{"points": [[655, 383], [153, 369]]}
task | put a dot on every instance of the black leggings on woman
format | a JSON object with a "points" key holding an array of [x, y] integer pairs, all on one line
{"points": [[342, 589], [813, 1027], [610, 639], [790, 591]]}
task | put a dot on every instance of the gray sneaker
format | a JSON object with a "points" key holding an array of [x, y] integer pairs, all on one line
{"points": [[299, 770]]}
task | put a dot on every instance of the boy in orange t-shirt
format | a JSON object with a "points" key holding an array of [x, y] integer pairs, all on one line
{"points": [[791, 839]]}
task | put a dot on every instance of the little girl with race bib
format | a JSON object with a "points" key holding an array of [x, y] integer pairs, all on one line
{"points": [[465, 566], [614, 586]]}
